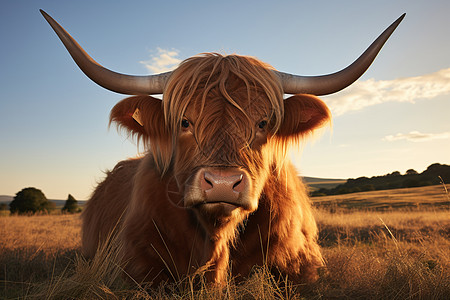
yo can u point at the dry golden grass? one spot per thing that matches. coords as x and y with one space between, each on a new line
49 233
437 220
391 254
33 249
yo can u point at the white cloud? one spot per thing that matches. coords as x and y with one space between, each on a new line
371 92
416 136
163 61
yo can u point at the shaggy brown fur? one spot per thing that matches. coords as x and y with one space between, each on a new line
219 114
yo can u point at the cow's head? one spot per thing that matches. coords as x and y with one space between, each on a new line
223 125
221 128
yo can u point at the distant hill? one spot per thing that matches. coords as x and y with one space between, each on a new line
317 183
59 203
433 175
418 198
6 199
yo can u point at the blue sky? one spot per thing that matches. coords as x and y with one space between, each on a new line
54 121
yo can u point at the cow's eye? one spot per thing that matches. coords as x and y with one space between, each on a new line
185 124
262 124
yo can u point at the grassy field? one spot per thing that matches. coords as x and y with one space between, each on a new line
420 198
394 246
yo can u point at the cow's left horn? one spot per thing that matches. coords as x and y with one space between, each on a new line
331 83
116 82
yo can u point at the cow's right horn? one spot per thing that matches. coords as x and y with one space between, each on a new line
116 82
332 83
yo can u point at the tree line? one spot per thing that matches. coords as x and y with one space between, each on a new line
434 174
32 200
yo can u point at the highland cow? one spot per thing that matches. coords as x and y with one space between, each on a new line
215 192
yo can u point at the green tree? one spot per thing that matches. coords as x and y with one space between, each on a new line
395 173
71 205
411 172
29 200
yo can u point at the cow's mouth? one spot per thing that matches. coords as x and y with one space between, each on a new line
217 208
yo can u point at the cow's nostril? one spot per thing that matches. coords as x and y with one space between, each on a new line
238 182
207 181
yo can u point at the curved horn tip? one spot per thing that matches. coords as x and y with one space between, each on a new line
396 22
43 13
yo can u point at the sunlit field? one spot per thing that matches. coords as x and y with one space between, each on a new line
380 250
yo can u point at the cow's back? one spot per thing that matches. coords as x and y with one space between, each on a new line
103 212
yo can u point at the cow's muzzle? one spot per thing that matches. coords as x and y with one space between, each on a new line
220 189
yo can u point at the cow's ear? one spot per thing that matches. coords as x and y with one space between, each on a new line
141 116
303 114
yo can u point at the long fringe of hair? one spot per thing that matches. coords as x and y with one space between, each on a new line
199 75
209 74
